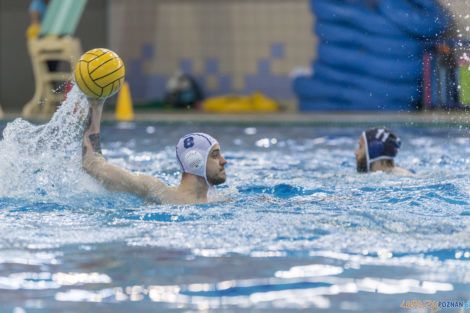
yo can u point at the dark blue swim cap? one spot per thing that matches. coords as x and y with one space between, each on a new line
381 144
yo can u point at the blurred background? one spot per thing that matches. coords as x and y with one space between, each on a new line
304 55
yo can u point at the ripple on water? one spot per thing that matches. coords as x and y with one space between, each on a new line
295 197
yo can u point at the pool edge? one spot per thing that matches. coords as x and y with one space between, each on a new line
454 118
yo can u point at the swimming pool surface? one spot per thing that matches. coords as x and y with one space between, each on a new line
302 231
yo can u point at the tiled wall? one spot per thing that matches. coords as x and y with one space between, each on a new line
231 46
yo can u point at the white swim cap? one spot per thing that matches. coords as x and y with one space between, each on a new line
192 151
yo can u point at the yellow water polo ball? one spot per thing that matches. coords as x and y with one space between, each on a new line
99 73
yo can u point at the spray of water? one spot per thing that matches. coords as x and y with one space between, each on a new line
44 161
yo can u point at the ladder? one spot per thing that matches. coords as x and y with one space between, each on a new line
55 43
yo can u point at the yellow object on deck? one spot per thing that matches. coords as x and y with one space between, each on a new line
124 108
33 30
1 112
231 104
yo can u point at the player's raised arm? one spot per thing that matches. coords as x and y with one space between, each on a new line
112 177
99 73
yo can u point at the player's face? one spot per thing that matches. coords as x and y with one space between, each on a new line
215 171
360 153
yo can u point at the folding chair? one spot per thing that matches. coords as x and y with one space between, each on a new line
54 43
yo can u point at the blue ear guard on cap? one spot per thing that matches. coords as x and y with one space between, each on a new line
381 144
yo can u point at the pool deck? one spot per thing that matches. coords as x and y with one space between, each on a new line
304 118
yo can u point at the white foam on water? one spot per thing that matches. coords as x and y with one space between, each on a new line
44 161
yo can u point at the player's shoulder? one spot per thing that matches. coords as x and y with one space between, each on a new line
158 192
152 182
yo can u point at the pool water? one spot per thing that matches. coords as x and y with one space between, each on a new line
294 229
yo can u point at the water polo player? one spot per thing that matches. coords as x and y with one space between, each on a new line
99 73
377 149
198 155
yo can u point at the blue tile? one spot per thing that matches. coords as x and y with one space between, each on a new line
211 66
277 50
136 80
146 88
135 68
225 85
283 88
186 66
276 87
156 87
137 88
148 51
251 84
264 67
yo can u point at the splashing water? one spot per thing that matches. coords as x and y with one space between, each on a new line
44 161
303 229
